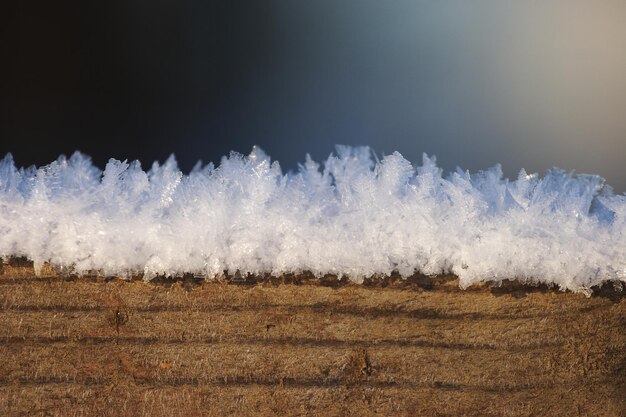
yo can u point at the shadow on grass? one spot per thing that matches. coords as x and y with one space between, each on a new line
614 291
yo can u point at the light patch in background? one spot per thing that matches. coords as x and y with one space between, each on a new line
561 84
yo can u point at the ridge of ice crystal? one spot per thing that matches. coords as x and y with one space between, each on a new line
351 215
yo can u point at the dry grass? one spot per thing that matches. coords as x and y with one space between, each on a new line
91 346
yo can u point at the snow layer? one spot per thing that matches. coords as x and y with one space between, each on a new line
352 216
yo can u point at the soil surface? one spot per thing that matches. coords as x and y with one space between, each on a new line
294 345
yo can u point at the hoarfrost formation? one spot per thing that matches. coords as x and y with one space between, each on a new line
351 216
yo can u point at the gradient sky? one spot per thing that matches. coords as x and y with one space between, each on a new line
531 84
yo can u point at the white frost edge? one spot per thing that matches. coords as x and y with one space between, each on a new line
351 216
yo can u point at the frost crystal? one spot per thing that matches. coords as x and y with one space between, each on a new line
352 216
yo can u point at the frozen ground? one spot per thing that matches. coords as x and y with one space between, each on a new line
351 215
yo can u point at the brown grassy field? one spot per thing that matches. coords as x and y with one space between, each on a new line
299 346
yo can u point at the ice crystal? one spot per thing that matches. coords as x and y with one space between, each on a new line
350 216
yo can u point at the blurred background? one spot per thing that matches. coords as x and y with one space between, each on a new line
531 84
